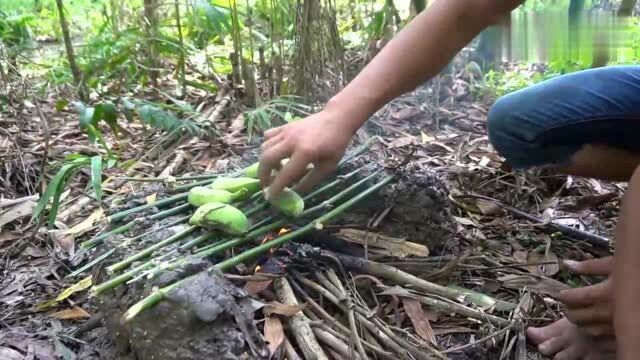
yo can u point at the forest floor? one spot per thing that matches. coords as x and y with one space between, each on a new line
513 255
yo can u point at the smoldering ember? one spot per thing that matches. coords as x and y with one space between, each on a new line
305 180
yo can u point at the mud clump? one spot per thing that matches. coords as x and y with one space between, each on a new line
418 203
206 317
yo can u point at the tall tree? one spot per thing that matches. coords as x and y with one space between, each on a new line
71 56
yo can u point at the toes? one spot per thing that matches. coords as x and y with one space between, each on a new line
554 345
539 335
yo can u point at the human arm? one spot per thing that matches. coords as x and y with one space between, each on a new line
416 54
626 267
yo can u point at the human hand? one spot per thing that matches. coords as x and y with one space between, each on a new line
590 307
320 139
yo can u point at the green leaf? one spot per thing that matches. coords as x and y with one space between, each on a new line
158 118
54 189
109 113
61 104
96 176
250 125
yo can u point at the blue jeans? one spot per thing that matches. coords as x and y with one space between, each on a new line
545 124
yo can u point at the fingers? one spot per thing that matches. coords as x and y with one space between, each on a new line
597 314
295 169
273 132
314 177
270 160
588 295
599 331
601 266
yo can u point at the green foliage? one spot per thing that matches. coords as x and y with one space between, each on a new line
275 112
15 32
208 22
56 186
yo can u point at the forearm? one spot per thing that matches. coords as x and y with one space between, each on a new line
626 271
417 53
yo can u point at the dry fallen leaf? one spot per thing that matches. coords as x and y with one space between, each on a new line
86 224
273 334
275 307
419 319
544 286
151 198
69 314
254 287
16 212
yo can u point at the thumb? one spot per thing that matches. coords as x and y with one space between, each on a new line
601 266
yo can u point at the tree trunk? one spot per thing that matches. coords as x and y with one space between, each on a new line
75 71
151 25
626 7
181 60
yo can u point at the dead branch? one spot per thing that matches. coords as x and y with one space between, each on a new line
593 239
403 278
304 335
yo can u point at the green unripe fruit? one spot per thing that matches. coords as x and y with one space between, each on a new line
217 215
289 203
201 195
252 171
248 185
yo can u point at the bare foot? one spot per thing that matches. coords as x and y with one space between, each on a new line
562 340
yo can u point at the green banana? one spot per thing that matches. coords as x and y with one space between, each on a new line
288 202
221 216
201 195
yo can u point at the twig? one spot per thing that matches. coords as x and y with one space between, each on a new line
490 336
404 278
350 313
303 333
593 239
376 349
335 343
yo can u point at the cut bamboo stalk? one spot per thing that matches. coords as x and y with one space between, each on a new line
125 243
214 249
400 277
98 239
148 251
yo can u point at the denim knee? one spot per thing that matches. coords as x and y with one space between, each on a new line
504 126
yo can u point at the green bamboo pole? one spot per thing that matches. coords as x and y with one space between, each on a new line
216 249
158 203
131 274
148 251
123 228
257 230
125 243
158 295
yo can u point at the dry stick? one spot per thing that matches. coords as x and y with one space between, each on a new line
160 294
321 312
126 242
463 347
304 335
593 239
462 310
375 349
401 277
407 345
335 343
361 318
355 338
364 312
